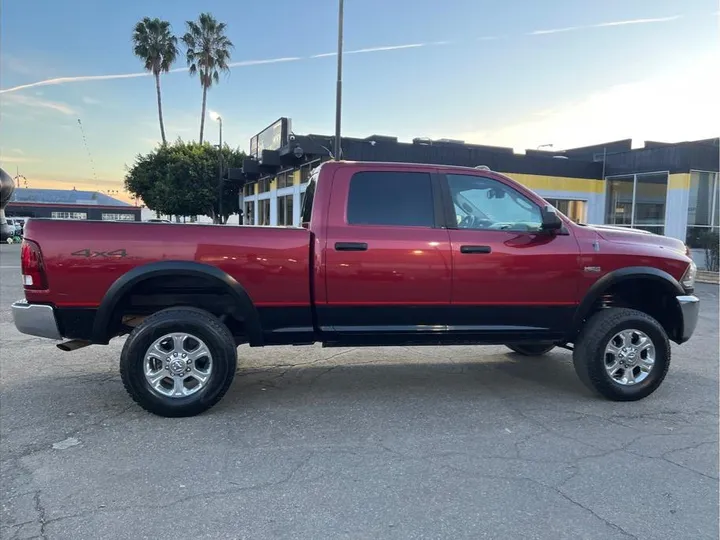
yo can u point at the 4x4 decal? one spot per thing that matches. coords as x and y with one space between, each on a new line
90 254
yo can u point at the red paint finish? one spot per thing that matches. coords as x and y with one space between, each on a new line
271 263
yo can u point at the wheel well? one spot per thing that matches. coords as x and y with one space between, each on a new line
649 296
160 292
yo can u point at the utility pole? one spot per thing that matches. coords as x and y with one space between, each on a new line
338 96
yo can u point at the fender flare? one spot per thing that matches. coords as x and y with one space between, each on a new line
671 285
245 307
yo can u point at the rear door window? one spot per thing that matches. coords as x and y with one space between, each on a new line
399 199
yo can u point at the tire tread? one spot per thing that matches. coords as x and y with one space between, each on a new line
591 340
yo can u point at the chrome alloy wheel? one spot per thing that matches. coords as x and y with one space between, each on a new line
177 365
629 357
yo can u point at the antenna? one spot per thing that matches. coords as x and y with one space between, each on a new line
87 148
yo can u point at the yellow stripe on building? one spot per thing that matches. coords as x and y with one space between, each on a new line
558 183
679 181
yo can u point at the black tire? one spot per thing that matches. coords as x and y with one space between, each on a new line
589 353
195 322
531 349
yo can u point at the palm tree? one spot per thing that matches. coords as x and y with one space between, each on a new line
155 45
208 53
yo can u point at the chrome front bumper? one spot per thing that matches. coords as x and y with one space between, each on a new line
35 320
690 308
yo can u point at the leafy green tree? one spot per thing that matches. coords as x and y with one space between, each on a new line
208 54
182 180
156 46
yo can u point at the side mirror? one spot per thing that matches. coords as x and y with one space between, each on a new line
550 220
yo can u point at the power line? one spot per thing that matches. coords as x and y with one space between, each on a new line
87 148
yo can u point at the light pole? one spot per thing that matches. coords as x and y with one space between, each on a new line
215 116
338 94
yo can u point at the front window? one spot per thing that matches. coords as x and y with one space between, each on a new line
487 204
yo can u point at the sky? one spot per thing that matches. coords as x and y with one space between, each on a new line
76 108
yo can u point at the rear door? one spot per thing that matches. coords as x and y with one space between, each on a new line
387 254
509 277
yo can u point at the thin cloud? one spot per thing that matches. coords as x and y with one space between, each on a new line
17 151
16 159
90 101
555 30
35 103
604 25
269 61
637 21
63 80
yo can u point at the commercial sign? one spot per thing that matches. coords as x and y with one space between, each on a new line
273 137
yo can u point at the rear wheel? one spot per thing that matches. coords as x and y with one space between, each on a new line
622 354
531 349
178 362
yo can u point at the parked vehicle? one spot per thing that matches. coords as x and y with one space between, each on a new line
388 254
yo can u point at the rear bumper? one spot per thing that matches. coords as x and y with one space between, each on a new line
36 320
690 308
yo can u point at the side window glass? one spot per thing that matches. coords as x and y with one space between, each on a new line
401 199
486 204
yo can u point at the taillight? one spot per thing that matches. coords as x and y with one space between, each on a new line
33 268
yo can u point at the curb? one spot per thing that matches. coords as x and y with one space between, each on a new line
712 278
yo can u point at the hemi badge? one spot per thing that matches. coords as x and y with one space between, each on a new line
594 269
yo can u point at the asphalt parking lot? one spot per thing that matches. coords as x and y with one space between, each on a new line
457 442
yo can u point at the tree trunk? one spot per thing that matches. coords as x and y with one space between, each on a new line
202 116
160 116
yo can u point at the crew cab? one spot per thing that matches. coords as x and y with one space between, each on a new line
387 254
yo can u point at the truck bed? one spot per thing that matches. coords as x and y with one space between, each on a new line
85 260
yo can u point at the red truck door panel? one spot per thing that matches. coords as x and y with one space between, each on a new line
507 276
386 255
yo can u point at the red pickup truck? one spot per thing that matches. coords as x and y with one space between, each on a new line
388 254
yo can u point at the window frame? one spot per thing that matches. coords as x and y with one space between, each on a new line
633 204
449 205
438 219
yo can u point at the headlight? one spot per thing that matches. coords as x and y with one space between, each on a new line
688 279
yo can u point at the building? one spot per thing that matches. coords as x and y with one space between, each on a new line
69 204
666 188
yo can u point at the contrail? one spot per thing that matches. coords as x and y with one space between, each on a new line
554 30
603 25
63 80
637 21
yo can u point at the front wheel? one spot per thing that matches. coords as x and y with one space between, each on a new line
178 362
622 354
531 349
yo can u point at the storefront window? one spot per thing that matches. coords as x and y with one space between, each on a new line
703 221
637 201
575 210
264 185
285 179
264 212
69 215
248 217
285 210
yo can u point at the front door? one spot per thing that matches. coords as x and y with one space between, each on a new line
387 256
510 278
